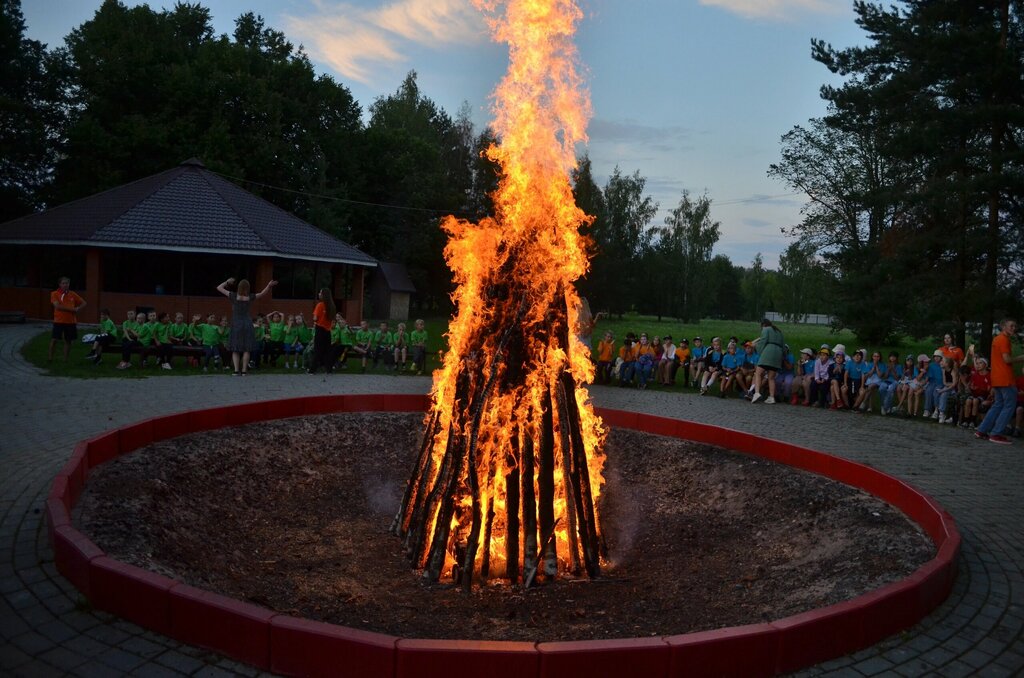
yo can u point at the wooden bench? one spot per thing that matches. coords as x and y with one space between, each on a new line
176 351
12 316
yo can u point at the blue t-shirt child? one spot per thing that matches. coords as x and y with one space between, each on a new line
856 370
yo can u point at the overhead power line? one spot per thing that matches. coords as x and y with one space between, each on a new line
344 200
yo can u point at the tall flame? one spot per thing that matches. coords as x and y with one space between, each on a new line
514 362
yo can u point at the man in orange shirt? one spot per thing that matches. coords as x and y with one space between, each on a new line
1002 386
66 305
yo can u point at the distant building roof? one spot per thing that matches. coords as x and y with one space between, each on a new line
186 209
396 276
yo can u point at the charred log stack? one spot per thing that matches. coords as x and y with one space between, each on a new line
502 488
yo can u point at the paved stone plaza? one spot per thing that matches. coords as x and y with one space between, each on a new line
46 628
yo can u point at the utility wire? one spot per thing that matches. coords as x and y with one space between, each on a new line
757 198
735 201
337 199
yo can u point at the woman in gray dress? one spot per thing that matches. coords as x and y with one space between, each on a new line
241 340
769 345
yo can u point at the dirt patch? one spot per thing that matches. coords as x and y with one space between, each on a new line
293 515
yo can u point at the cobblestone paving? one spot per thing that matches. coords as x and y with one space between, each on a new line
47 629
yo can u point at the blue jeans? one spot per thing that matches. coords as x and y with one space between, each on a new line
886 391
929 396
944 400
1002 409
644 370
626 372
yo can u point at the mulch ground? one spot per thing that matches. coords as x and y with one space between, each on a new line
293 515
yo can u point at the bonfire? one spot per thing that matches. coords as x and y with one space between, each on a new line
506 483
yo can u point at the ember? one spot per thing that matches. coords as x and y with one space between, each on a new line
511 465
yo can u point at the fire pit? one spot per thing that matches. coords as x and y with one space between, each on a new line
286 644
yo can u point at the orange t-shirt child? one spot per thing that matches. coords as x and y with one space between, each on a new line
605 350
1002 372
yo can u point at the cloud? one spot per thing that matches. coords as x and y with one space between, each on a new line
630 130
777 9
353 39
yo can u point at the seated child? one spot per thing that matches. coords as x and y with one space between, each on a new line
130 338
418 337
401 340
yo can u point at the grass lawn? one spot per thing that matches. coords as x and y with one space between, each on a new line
797 336
78 367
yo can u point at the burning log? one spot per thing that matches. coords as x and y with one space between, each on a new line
506 483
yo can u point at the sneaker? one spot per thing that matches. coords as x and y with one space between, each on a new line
927 413
754 398
769 400
144 363
166 366
935 414
793 400
980 436
206 369
942 419
884 412
1002 440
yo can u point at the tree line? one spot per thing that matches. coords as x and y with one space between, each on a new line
133 91
914 176
914 180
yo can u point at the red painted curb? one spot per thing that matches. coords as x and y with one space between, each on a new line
616 657
751 650
72 552
438 658
302 647
216 622
138 595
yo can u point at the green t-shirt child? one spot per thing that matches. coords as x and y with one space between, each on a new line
418 337
107 326
178 332
276 331
210 334
146 333
161 332
129 330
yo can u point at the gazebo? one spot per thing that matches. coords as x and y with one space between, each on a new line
164 242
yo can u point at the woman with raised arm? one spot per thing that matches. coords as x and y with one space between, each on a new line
242 339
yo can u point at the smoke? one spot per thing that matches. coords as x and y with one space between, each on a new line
382 494
621 514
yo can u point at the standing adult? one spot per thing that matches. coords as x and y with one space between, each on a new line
769 346
1003 388
241 338
323 315
66 305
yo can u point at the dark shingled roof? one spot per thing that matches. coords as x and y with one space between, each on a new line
187 208
396 276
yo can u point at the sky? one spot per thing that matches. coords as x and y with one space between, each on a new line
693 94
